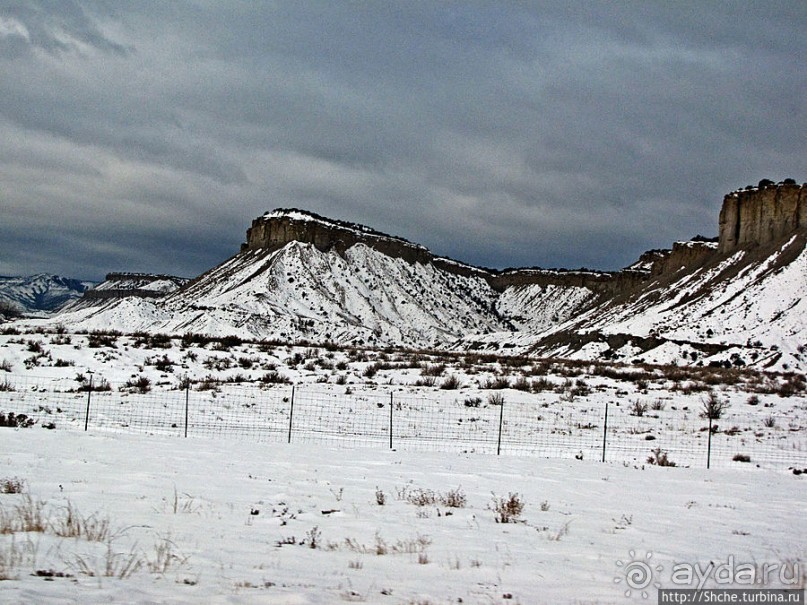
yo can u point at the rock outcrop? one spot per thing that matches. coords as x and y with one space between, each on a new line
760 215
275 229
682 256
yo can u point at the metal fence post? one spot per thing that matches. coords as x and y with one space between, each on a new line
604 431
291 411
187 395
87 414
501 422
709 446
390 420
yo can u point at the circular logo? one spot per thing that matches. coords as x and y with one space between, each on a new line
637 574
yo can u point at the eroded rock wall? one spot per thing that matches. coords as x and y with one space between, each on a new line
272 232
761 215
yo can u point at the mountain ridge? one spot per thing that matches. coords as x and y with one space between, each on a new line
300 276
38 293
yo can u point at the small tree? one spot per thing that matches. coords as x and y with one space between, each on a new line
712 407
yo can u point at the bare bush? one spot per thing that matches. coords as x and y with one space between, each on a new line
433 370
421 497
141 384
637 408
12 485
454 498
659 457
472 402
27 516
541 384
113 564
16 421
275 378
496 383
451 383
71 524
103 339
313 538
495 399
509 509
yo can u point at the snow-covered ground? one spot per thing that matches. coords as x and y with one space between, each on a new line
222 521
266 391
131 511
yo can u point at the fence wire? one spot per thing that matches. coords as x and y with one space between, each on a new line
519 424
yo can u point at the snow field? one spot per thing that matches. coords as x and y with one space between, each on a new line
222 521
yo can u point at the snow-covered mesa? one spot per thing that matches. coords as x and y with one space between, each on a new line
743 309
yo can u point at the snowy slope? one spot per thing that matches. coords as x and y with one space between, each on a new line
141 281
537 309
762 302
749 306
302 292
41 292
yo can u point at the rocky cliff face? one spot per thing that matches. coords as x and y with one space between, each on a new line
275 229
682 256
604 283
761 215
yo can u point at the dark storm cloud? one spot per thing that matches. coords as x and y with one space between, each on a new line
146 136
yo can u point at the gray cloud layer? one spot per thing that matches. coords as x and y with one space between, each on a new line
146 136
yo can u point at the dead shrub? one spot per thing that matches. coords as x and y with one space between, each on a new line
659 457
509 509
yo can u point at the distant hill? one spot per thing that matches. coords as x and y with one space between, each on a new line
41 293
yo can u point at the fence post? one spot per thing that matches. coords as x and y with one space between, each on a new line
390 421
291 411
604 431
501 421
187 395
709 446
87 414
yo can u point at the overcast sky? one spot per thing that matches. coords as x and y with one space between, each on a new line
145 136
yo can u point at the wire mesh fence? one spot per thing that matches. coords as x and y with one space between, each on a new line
520 423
